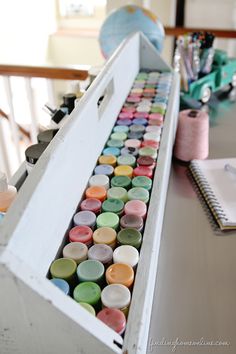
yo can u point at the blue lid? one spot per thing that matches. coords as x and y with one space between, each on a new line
61 284
140 121
107 170
124 122
121 129
111 151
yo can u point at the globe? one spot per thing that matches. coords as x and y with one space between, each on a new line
126 20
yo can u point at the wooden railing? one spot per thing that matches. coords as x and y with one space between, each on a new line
177 31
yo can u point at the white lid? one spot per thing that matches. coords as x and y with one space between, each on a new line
152 136
116 296
126 254
3 182
100 180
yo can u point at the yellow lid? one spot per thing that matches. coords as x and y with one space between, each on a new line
104 235
124 170
120 273
107 160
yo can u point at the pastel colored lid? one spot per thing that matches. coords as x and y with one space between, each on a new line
143 171
130 237
105 235
118 193
133 99
88 307
104 170
116 296
135 135
113 318
140 121
2 216
126 254
88 292
123 170
152 136
143 182
146 161
126 122
77 251
125 115
108 219
154 128
99 180
107 160
120 273
113 205
133 221
129 150
136 207
85 217
81 233
138 193
142 113
91 204
102 253
148 151
115 143
137 128
128 160
111 150
150 143
63 268
61 284
128 109
119 136
90 270
121 128
121 181
98 192
156 116
135 143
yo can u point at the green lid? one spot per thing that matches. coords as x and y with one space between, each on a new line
115 143
113 205
88 292
119 136
121 129
90 270
88 307
138 193
128 160
121 181
148 151
143 182
130 236
158 110
118 193
63 268
108 219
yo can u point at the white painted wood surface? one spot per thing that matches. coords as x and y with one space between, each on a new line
35 316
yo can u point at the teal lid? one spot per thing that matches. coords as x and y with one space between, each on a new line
108 219
128 160
148 151
142 181
90 270
138 193
130 236
119 136
115 143
88 292
111 151
117 193
121 181
113 205
121 129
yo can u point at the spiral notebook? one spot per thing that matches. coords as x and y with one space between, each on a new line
216 180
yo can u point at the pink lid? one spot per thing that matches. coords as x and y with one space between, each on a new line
143 171
135 207
157 116
133 99
91 204
151 143
128 109
125 115
141 115
113 318
133 143
81 234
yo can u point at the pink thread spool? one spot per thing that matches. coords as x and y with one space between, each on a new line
192 137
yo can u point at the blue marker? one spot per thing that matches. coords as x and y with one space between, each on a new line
61 284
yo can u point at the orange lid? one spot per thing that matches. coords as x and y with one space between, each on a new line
98 192
124 170
104 235
120 273
107 160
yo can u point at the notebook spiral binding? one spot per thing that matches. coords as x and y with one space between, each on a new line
207 193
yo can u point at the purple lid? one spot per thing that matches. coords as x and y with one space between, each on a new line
85 218
101 252
124 122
